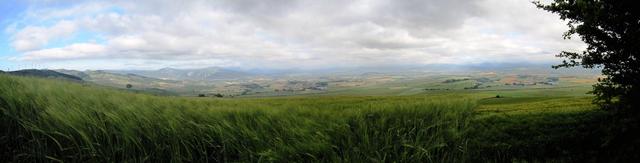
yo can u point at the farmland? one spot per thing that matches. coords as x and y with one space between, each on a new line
56 120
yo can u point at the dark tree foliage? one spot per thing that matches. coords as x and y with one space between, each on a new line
611 29
129 85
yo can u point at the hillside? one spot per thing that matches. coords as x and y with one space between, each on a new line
117 80
45 74
416 80
201 74
138 83
55 120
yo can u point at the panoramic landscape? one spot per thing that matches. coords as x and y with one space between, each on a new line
320 81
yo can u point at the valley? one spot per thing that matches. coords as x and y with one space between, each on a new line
320 81
417 81
378 118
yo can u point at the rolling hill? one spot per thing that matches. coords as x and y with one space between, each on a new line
46 120
140 83
45 74
202 74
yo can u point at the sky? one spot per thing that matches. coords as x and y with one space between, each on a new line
275 34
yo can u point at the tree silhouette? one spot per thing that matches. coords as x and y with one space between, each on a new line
129 86
611 29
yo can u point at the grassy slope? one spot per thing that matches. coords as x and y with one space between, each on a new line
532 125
55 120
47 119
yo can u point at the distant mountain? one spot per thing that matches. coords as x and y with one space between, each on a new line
114 79
98 74
203 74
139 83
45 74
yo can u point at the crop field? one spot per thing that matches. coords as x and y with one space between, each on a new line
59 121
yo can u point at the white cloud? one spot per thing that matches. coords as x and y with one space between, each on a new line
35 37
306 34
39 10
73 51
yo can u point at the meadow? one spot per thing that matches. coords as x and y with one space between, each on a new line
60 121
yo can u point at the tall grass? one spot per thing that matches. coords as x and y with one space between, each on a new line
50 120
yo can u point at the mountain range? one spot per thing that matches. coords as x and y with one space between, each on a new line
202 74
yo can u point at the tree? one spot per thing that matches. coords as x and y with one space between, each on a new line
129 86
611 30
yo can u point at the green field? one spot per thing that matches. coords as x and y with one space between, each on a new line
55 120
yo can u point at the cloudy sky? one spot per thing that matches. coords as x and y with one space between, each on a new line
305 34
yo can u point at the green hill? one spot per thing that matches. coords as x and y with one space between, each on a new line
139 83
44 120
202 74
45 74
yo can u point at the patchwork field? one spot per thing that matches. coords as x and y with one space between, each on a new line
53 120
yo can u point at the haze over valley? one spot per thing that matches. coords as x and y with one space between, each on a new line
319 81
